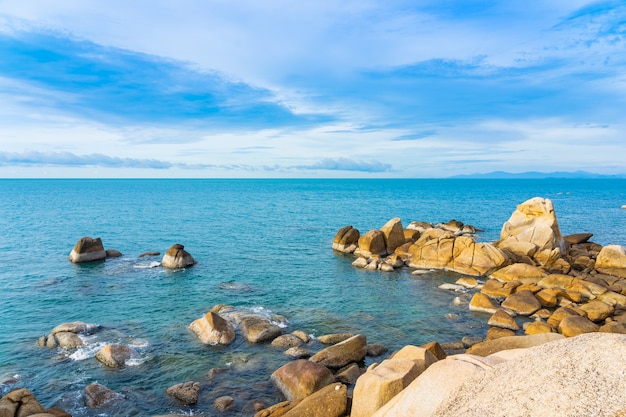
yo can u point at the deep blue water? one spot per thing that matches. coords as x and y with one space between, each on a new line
259 244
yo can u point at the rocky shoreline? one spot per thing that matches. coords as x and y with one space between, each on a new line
542 294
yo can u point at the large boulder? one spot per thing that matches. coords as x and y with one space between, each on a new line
512 342
523 303
88 250
380 384
612 260
257 329
421 356
394 234
114 355
330 401
569 377
301 378
575 325
212 329
373 243
353 349
187 392
67 335
522 272
20 403
346 239
534 222
482 303
96 395
177 257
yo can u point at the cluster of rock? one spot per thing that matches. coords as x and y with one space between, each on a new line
21 402
88 249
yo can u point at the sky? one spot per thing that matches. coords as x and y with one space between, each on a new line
324 89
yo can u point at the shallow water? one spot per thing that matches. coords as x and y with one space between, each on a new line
259 244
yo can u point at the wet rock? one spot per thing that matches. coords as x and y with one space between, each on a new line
187 392
66 335
145 254
346 239
301 378
212 329
376 349
298 352
577 238
114 355
20 402
223 403
258 329
87 250
113 253
97 395
348 374
286 341
336 356
177 257
334 338
301 335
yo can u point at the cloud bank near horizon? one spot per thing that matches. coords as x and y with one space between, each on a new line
373 88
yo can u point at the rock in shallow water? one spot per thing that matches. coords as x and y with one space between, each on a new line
177 257
88 250
187 392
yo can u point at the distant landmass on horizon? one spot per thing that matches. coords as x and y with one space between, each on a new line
540 175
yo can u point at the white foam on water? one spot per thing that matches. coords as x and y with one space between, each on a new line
86 352
153 264
139 343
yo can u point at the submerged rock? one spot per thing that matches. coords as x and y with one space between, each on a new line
177 257
97 395
187 392
88 250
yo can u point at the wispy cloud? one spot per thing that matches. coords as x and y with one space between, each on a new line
347 164
415 136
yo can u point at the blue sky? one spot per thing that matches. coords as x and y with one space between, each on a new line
368 88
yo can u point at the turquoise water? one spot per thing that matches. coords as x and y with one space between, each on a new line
259 244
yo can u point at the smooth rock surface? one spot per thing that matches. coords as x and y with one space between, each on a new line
88 249
177 257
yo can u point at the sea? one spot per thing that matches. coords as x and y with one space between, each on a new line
262 245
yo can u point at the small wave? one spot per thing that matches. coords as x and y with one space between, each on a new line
149 265
235 286
86 352
139 343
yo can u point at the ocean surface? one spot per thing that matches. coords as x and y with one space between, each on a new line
263 245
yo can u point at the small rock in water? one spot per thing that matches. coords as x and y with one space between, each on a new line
469 341
224 403
376 349
143 255
298 352
187 392
97 395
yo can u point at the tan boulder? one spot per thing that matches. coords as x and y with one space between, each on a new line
348 374
300 378
334 338
432 250
612 298
612 260
436 349
353 349
114 355
577 238
346 239
538 327
177 257
523 303
467 282
286 341
421 356
574 325
503 320
256 329
517 247
482 303
498 332
187 392
394 234
548 297
20 402
330 401
534 221
613 327
373 242
597 310
589 290
560 313
499 289
489 347
87 250
519 272
478 258
377 386
67 335
212 329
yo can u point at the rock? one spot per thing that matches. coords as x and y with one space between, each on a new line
477 258
411 235
534 221
588 289
97 395
377 386
87 250
597 310
467 282
498 289
286 341
277 410
393 233
469 341
503 320
346 239
519 272
212 329
75 327
177 257
515 342
20 402
145 254
570 377
258 329
114 355
360 262
538 327
351 350
298 352
301 335
223 403
577 238
348 374
373 242
498 332
559 314
334 338
422 397
66 335
376 349
301 378
187 392
575 325
330 401
436 349
613 327
422 357
113 253
548 297
523 303
612 261
482 303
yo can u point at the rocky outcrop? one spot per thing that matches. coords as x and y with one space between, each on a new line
394 234
20 403
301 378
533 231
353 349
114 355
612 261
187 392
87 250
67 335
212 329
346 239
372 243
177 257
